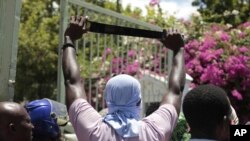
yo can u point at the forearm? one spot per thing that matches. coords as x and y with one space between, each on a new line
177 74
176 80
70 67
71 72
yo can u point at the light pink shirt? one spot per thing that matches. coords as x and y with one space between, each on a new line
89 125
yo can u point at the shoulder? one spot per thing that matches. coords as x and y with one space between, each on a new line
161 122
165 110
81 111
78 103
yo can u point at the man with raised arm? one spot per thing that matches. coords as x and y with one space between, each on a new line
123 97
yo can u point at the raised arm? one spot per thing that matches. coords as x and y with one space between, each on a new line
174 41
73 83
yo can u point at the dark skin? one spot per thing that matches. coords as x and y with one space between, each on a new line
174 41
73 83
220 132
15 123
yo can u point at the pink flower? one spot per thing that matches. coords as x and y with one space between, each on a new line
245 25
236 66
194 67
132 53
210 55
209 42
117 64
236 94
117 60
156 61
108 51
132 68
154 2
223 60
224 36
242 34
243 49
216 27
213 74
191 48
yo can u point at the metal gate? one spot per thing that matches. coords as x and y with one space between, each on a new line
9 27
102 56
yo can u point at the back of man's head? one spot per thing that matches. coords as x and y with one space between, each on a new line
205 107
123 98
123 90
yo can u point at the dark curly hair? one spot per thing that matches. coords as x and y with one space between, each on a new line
205 107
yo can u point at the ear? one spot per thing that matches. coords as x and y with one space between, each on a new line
188 128
12 127
234 120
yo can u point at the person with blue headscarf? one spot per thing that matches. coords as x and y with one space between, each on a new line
122 95
123 98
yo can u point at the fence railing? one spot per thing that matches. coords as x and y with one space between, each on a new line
9 27
102 56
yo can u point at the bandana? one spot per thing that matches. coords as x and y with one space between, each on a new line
123 98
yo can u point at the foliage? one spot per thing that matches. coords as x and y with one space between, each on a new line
135 13
181 130
221 57
157 17
227 11
36 75
215 53
37 54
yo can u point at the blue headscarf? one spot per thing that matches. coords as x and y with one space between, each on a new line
123 97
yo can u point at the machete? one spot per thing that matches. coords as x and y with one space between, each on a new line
121 30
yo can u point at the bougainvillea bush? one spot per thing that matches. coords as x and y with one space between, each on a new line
221 56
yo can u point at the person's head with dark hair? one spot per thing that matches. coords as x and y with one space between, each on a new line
15 123
207 111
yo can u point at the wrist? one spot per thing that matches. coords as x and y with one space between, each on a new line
68 40
177 50
68 43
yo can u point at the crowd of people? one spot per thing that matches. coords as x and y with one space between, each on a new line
207 108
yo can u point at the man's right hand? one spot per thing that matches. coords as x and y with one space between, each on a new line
173 39
76 28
